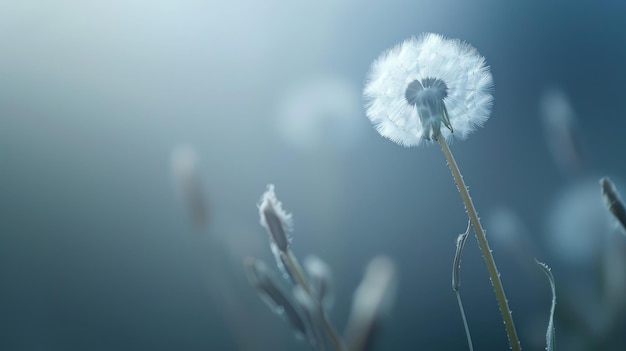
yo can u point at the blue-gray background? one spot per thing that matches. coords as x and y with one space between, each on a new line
97 251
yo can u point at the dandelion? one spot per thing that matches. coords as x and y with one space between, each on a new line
426 81
418 86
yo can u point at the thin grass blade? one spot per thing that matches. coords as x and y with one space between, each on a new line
550 333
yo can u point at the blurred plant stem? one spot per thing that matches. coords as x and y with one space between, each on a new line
294 266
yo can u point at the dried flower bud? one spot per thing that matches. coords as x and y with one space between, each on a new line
613 201
274 219
261 279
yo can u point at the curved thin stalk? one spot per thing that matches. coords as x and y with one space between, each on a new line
301 280
484 247
456 280
467 332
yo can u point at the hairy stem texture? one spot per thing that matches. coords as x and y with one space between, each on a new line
484 247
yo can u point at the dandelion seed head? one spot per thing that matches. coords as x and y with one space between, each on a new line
579 226
324 111
425 81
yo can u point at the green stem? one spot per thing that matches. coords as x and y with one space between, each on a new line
484 247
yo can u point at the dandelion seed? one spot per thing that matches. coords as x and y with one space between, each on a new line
424 82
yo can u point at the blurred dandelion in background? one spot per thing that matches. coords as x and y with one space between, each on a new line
578 224
506 227
508 231
323 112
320 122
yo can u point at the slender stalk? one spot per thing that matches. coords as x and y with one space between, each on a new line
301 280
484 247
296 270
456 280
467 332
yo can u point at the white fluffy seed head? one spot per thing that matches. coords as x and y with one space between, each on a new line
458 64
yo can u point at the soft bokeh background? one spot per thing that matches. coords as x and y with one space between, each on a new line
97 250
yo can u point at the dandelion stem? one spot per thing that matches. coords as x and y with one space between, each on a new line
301 280
467 332
484 247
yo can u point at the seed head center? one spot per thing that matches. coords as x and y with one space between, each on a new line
427 96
